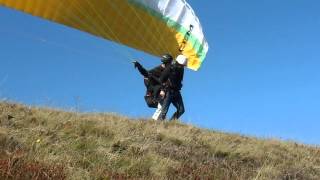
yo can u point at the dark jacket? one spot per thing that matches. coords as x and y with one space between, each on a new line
172 77
153 86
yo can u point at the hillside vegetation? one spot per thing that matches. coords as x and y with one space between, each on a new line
42 143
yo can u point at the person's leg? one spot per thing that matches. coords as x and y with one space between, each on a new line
178 104
165 105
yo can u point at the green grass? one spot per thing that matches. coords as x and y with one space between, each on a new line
43 143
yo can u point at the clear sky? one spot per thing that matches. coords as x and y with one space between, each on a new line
260 78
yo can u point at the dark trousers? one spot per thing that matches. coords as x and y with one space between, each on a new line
175 98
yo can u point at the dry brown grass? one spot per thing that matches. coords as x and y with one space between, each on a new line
42 143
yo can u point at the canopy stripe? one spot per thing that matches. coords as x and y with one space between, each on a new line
153 26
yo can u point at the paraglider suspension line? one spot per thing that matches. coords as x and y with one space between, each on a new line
186 38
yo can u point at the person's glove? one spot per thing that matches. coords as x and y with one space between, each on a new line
136 64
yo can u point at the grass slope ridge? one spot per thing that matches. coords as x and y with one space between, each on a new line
42 143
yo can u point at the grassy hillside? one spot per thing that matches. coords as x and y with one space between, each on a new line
41 143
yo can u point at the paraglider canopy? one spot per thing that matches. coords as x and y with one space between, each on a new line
153 26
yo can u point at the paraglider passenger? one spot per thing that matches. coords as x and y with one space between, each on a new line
153 86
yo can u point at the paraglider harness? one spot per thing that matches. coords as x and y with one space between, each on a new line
153 89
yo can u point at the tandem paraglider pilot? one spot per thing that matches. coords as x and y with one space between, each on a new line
172 78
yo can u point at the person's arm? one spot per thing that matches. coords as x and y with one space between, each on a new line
156 71
141 69
162 77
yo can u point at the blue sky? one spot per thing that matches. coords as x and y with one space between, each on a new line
260 78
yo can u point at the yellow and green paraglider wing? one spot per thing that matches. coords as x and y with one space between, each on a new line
153 26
